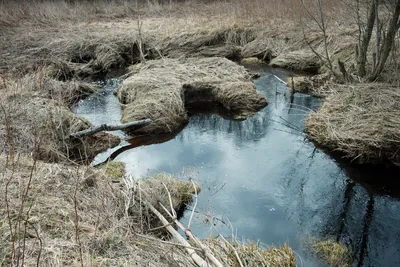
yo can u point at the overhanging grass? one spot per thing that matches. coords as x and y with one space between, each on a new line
360 121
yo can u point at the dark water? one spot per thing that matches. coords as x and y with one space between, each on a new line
265 179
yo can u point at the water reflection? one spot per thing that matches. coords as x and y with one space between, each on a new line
276 186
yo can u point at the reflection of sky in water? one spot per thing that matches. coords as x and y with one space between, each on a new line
276 187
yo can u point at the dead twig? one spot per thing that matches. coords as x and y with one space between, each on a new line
77 239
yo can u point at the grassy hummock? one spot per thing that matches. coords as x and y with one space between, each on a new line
160 90
331 253
361 121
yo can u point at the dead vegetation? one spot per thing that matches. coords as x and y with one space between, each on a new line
97 37
75 215
36 108
252 254
160 89
104 222
298 61
329 252
360 121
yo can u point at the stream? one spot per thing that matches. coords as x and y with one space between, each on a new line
262 179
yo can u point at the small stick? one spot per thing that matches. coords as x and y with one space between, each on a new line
218 189
279 79
195 204
170 201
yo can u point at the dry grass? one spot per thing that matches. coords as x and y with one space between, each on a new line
106 231
331 253
160 89
36 108
252 254
301 60
97 36
361 121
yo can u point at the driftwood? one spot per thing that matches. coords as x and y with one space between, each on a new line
105 127
182 241
191 251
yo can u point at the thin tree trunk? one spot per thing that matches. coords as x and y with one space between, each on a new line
362 55
388 41
321 13
378 33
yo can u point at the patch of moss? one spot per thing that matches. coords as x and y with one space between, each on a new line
115 170
251 60
323 69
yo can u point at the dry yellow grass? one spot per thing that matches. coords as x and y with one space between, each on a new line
360 121
96 36
107 223
55 39
235 253
35 109
161 89
332 253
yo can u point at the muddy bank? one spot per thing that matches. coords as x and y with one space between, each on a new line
162 89
360 121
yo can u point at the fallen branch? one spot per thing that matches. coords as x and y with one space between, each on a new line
105 127
206 251
192 252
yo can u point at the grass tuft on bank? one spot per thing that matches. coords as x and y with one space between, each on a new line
162 89
361 122
237 253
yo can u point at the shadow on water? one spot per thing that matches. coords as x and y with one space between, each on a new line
262 176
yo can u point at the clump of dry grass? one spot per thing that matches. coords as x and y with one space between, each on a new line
68 93
360 121
300 60
210 41
331 253
235 253
309 84
107 234
36 108
181 192
160 89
